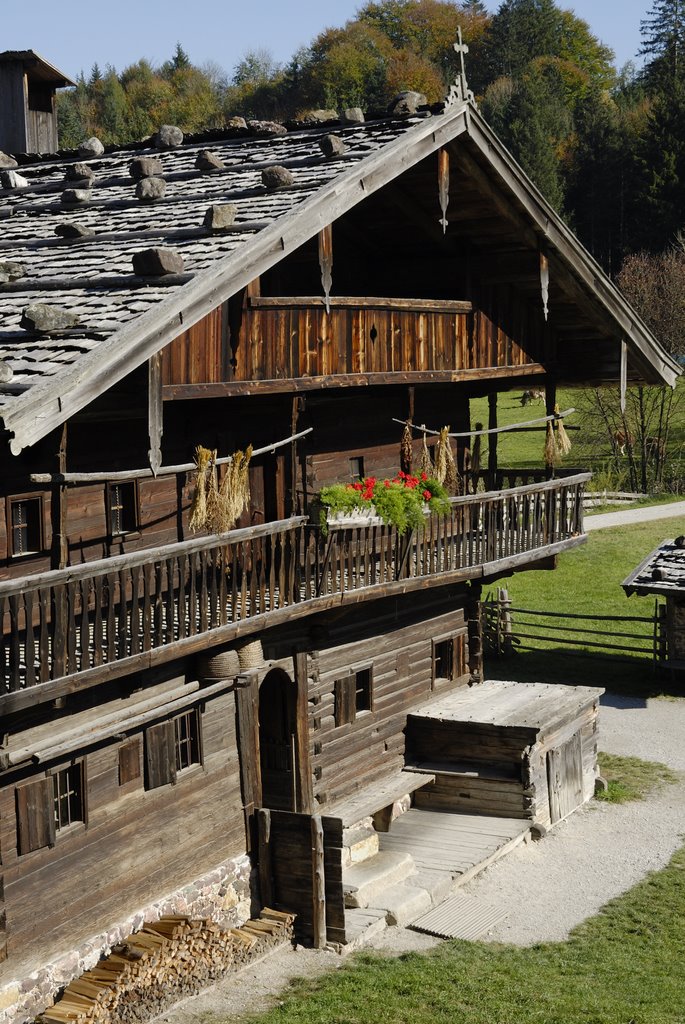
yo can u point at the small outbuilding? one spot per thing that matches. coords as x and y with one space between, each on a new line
662 574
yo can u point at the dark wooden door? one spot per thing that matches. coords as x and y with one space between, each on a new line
278 741
565 778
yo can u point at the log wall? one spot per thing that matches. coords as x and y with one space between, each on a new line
136 846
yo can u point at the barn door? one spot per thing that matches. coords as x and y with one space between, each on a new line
565 778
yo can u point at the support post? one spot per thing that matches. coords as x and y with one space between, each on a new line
266 892
492 440
155 411
60 540
475 633
304 787
318 883
550 404
504 622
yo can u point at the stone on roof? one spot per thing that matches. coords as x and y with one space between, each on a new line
168 137
91 147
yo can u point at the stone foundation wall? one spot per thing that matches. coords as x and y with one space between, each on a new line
223 895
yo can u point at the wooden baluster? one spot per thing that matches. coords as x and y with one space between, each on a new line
272 548
193 572
5 674
159 605
203 592
214 561
122 615
181 604
235 568
71 628
15 643
135 609
254 569
44 638
98 638
30 645
84 630
147 607
111 617
293 578
170 601
262 574
244 612
308 550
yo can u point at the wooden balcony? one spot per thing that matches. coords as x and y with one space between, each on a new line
69 629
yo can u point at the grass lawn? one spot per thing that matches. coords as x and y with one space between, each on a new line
624 965
588 580
631 778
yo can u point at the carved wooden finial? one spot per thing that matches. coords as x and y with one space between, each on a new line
459 92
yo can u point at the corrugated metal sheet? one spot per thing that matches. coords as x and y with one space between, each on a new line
460 917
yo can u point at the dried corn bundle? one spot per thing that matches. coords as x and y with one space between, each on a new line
426 464
563 440
406 448
198 508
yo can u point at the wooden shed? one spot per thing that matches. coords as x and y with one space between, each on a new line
28 111
662 575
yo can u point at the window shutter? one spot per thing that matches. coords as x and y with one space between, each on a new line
160 755
129 762
36 815
345 697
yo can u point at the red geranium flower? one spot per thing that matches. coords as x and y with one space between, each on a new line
427 495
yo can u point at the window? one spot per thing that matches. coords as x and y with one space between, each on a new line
25 526
122 505
353 695
170 748
449 658
68 796
357 468
49 805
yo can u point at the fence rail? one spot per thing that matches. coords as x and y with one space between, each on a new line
65 622
507 628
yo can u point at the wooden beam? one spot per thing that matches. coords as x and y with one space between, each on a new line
363 302
223 389
155 416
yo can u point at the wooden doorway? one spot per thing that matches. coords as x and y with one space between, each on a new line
278 741
565 778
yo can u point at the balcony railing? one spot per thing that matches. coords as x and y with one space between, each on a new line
129 611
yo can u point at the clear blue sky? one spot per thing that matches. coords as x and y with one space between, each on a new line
118 33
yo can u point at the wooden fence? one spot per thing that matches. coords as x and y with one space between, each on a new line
507 628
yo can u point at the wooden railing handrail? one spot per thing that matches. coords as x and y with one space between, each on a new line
144 556
510 492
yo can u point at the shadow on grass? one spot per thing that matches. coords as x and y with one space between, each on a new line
633 679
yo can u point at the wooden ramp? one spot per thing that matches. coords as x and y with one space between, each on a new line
459 844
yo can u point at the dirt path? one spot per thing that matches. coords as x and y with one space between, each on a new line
600 852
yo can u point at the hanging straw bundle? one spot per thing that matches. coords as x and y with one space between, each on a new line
198 508
551 455
426 464
445 466
563 440
406 448
234 496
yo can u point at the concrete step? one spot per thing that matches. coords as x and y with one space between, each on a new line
359 844
362 925
403 903
364 882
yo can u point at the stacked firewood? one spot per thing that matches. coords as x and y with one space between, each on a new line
166 961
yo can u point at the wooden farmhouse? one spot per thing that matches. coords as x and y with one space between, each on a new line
196 722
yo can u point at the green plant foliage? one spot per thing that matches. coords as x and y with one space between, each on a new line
630 778
401 502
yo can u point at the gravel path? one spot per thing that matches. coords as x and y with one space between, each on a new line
634 515
547 887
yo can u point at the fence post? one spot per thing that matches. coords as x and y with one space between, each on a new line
504 645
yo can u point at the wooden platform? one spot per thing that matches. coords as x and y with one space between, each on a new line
534 707
461 844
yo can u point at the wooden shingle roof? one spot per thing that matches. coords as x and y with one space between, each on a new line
124 319
661 572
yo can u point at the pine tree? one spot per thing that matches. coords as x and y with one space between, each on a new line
663 33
